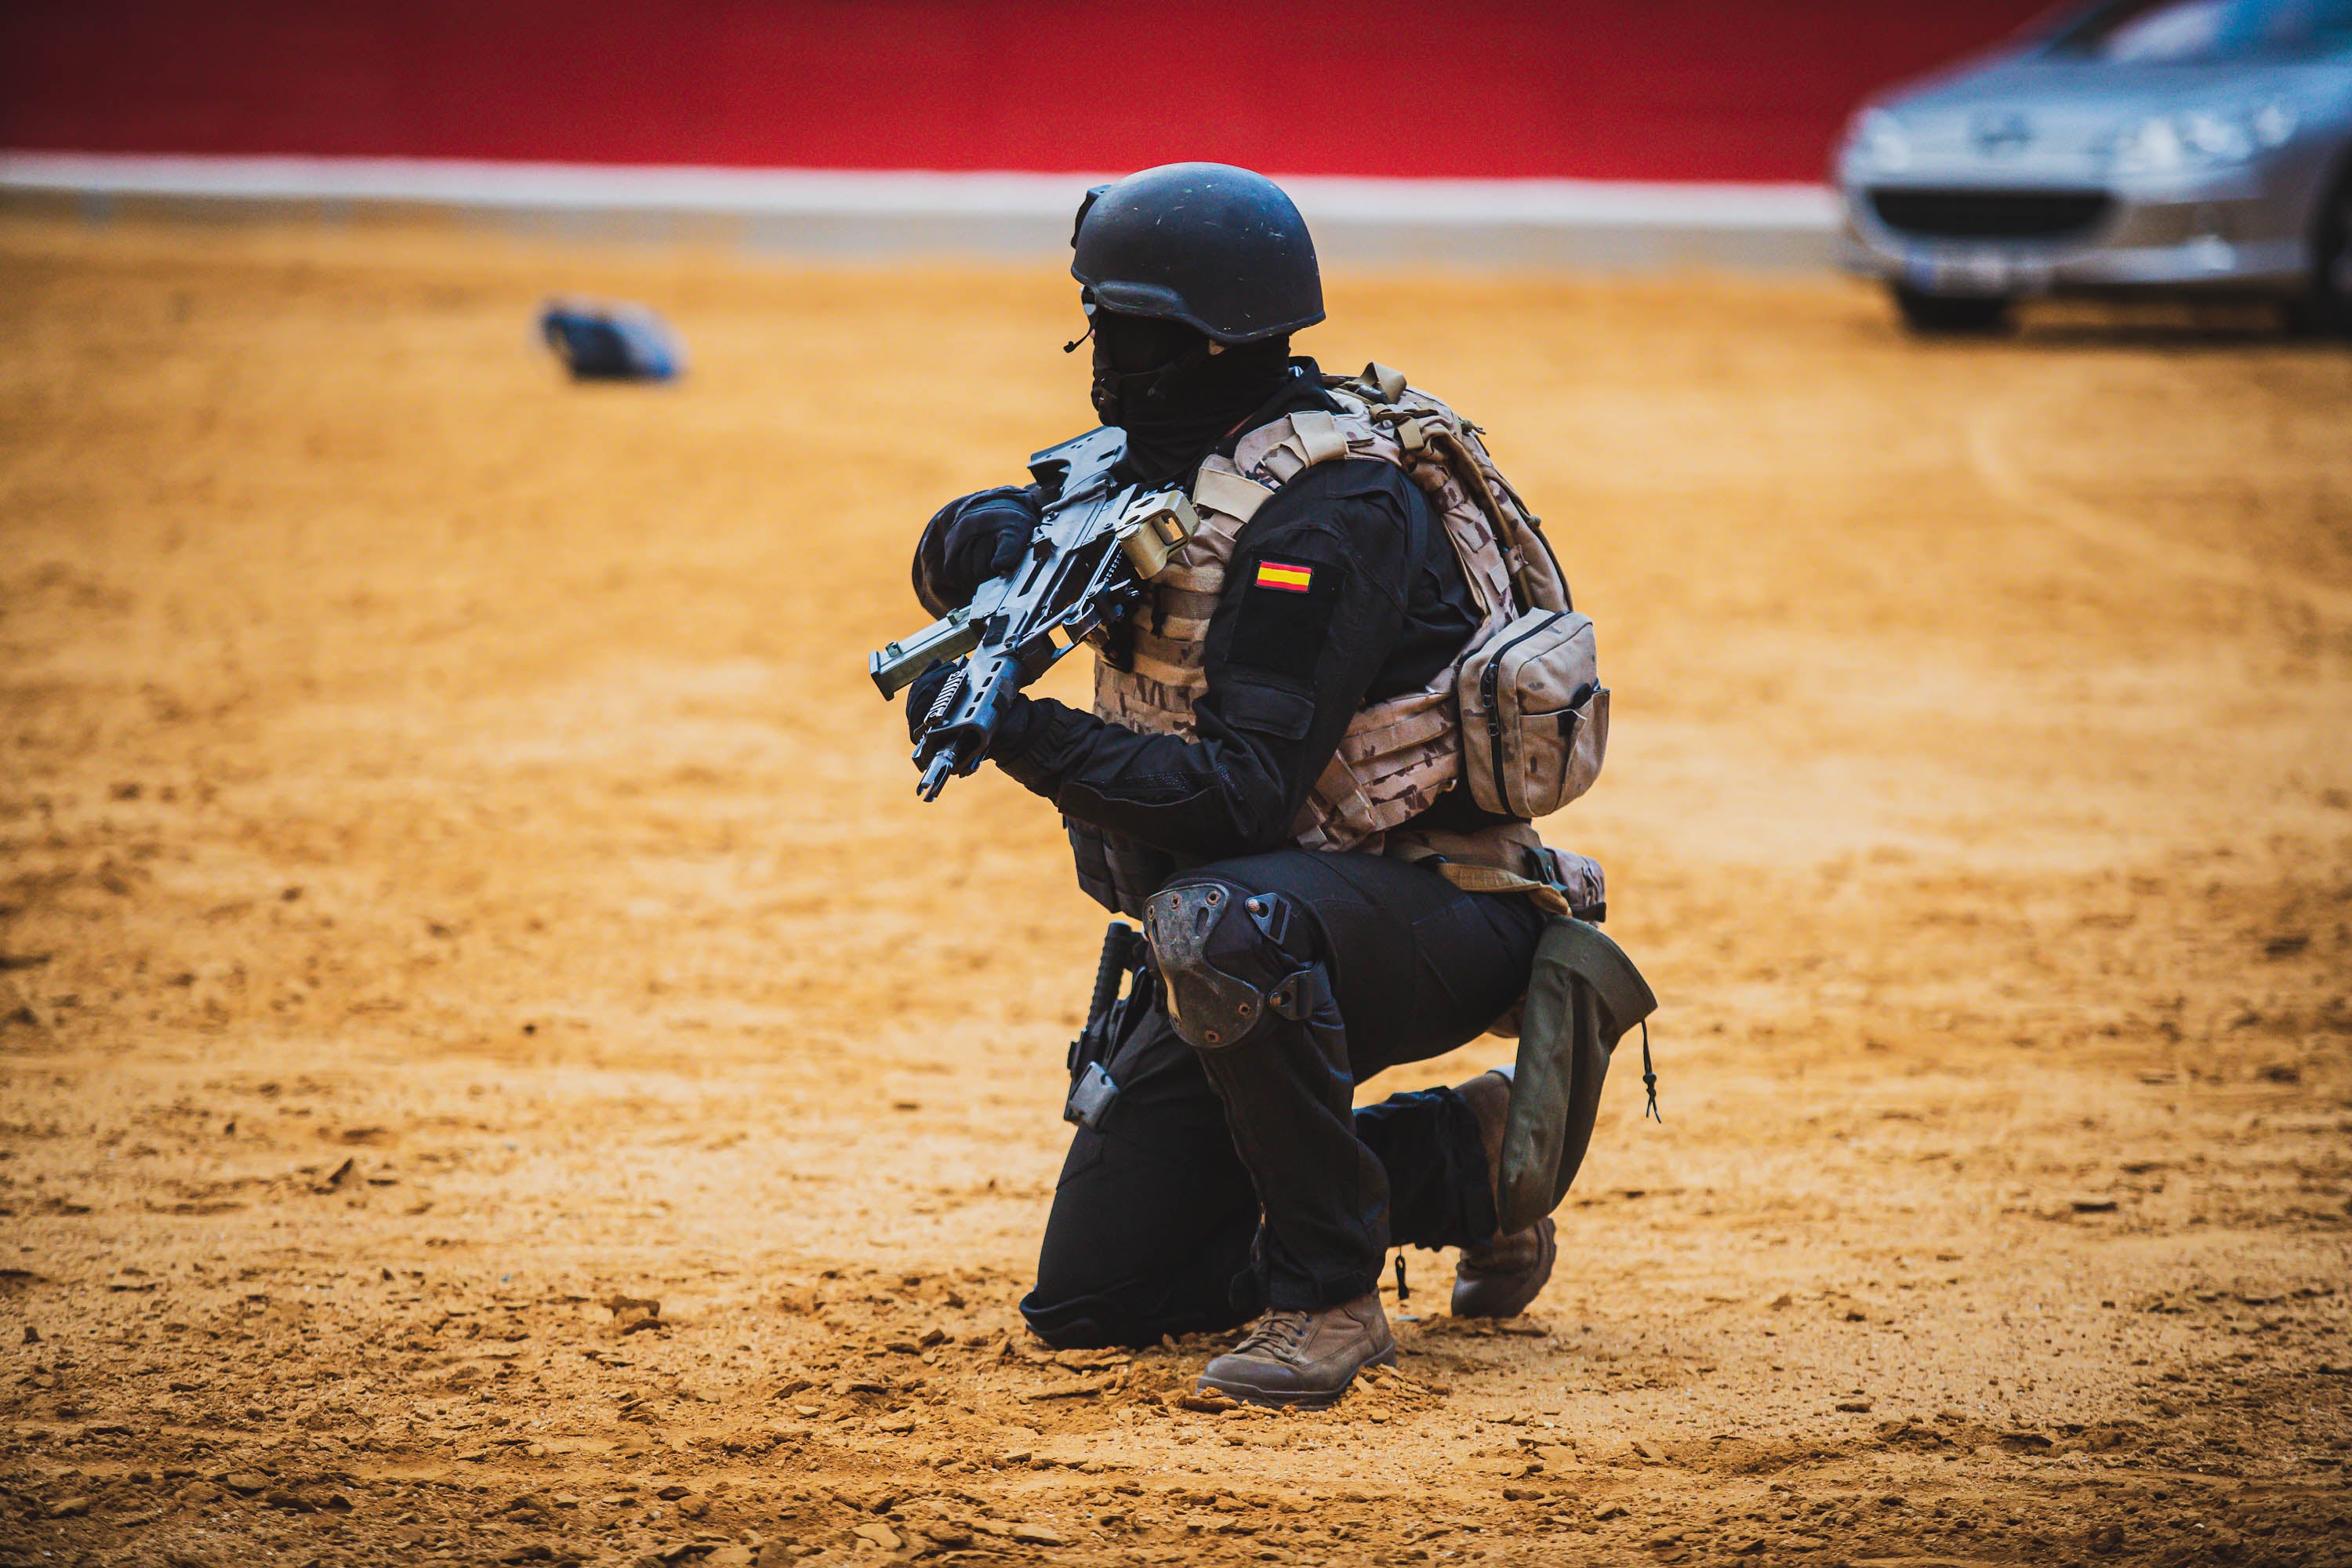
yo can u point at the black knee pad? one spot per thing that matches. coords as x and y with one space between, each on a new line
1226 957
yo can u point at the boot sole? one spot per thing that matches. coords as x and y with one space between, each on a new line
1293 1399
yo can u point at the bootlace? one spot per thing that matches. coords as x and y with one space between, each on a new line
1278 1334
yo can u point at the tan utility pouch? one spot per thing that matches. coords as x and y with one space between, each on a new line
1535 717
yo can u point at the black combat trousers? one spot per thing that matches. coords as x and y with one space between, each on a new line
1230 1180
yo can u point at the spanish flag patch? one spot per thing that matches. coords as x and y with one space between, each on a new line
1281 574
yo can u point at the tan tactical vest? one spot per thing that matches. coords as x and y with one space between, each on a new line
1399 756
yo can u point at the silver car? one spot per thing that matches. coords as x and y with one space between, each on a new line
2138 144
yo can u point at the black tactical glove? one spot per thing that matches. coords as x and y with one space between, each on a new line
972 539
1010 730
923 693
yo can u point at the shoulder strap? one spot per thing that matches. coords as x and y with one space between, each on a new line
1233 494
1284 449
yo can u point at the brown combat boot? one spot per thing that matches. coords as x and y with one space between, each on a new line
1306 1359
1499 1278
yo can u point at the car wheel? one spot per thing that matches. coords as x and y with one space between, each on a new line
1951 315
2327 308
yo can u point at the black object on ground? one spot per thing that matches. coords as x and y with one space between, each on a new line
604 342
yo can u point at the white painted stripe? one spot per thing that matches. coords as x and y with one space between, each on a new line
1568 202
1795 209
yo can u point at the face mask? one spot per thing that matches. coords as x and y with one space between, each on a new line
1138 366
1174 391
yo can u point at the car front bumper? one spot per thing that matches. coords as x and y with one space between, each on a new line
2223 238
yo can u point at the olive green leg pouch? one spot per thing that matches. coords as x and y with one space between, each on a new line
1583 997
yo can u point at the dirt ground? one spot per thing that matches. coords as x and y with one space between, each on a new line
457 888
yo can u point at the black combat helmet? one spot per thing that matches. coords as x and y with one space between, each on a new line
1216 247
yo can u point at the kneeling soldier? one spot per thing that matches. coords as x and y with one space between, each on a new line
1276 780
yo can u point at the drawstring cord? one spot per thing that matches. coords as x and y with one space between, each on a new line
1650 1078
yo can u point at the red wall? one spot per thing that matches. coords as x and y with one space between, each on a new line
1611 88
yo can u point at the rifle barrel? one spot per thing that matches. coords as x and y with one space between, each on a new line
935 777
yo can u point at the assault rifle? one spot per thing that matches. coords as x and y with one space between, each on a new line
1096 546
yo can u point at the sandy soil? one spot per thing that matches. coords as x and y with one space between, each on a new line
456 887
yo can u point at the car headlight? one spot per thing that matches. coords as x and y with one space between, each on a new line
2272 124
2202 139
1878 139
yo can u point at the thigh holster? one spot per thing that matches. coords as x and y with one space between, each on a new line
1222 955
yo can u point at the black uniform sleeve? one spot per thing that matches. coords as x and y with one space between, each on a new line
1313 607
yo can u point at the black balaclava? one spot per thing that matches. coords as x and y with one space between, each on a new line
1158 380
